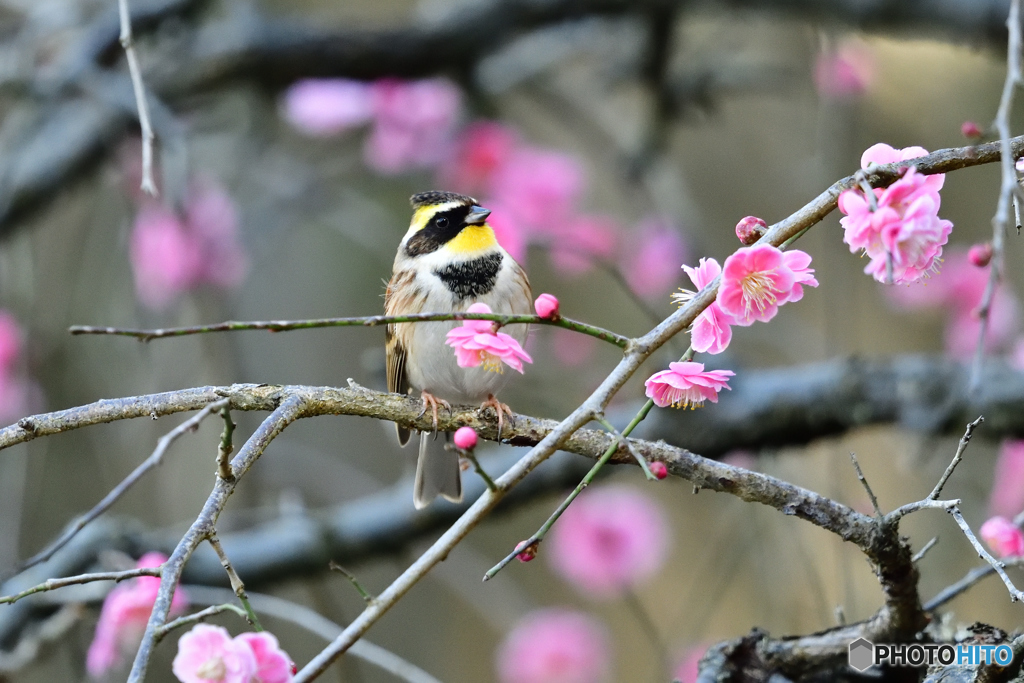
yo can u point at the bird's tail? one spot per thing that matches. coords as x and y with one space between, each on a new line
437 474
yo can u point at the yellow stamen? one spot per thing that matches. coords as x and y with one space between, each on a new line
491 363
757 290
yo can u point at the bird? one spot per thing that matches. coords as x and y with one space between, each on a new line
448 260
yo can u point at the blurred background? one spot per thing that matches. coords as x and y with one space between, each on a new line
614 142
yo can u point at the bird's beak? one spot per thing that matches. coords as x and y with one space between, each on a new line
477 215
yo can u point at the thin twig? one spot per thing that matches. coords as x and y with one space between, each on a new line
361 321
363 593
968 581
128 43
1008 187
471 457
926 504
867 487
226 448
957 457
236 582
996 565
53 584
919 555
149 463
621 438
190 619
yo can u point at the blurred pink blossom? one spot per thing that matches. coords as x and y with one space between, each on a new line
555 646
980 254
757 280
652 267
171 254
957 290
208 653
1007 496
579 242
686 385
476 343
542 187
481 148
507 230
609 540
1003 537
273 665
711 332
844 72
970 129
1016 358
17 393
124 615
1019 165
571 348
689 664
327 106
414 122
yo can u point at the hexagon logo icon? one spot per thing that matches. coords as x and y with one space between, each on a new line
862 654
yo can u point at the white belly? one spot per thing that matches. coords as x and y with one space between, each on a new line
430 363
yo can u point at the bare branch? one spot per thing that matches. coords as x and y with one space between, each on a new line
957 457
53 584
128 43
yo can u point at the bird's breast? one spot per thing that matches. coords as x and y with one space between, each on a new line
473 278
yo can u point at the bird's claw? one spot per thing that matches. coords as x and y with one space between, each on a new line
432 402
500 409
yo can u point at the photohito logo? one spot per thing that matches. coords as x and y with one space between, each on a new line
863 654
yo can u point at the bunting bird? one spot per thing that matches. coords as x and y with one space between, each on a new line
448 260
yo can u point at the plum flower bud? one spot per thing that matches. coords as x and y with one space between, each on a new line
546 306
980 254
465 438
658 469
526 551
969 129
750 229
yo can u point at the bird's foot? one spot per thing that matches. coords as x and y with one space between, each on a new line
500 409
432 402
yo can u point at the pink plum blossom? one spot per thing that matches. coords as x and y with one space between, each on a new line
580 242
476 343
481 149
414 122
844 72
712 330
327 106
546 306
652 267
901 224
124 616
465 438
609 540
686 385
273 665
1003 537
208 653
1007 496
172 254
757 280
543 187
555 645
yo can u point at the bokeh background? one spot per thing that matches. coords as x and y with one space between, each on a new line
744 112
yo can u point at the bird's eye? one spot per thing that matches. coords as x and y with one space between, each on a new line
441 222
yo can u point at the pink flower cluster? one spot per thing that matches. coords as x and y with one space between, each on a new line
555 646
755 282
1003 536
686 385
124 615
957 291
476 343
898 225
412 121
172 253
208 653
609 540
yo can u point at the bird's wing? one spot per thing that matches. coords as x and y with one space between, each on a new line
400 298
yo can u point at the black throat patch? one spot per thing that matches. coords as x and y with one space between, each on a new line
471 278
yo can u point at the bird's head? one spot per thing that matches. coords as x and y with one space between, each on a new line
447 220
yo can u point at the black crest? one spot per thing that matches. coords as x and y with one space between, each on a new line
435 197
